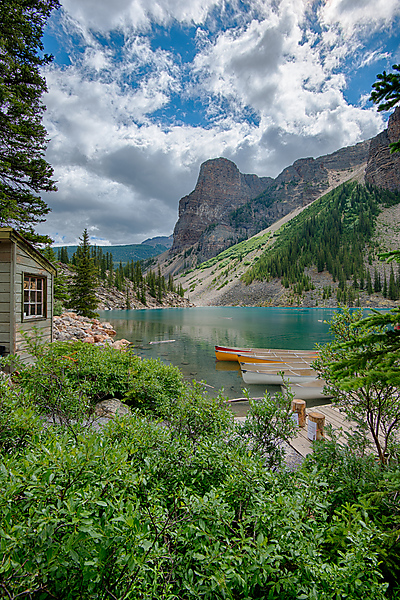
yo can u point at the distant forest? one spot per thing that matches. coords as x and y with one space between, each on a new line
115 275
333 234
122 254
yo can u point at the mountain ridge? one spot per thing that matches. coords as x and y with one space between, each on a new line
292 191
221 210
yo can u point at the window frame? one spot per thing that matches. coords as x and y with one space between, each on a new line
30 290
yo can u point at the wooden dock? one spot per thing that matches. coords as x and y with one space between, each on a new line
333 417
303 446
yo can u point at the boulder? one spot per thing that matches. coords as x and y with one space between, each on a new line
120 344
110 408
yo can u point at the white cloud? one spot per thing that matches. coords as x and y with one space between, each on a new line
270 88
350 16
140 14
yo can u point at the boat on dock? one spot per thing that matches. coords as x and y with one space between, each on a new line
253 374
262 355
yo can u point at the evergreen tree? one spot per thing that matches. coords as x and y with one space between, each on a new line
110 279
64 256
392 291
377 281
385 287
24 173
159 289
83 297
143 293
386 94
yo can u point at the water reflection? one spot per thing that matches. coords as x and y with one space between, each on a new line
186 338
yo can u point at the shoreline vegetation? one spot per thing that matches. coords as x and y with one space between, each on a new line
175 500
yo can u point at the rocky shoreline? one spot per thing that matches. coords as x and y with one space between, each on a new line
72 327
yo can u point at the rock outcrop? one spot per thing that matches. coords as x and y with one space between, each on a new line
220 189
70 326
111 408
383 169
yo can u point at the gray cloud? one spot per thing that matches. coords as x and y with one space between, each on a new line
148 174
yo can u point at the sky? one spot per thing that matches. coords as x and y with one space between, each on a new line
141 92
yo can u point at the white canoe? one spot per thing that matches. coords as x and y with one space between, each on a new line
274 376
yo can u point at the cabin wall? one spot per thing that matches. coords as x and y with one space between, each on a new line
6 255
42 325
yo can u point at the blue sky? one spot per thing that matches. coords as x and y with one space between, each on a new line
141 92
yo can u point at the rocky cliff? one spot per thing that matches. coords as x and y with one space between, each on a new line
383 168
227 206
220 189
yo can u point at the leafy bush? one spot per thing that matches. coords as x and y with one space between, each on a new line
19 424
144 515
195 414
68 378
185 507
58 308
153 384
269 423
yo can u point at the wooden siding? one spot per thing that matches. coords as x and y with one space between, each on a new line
44 326
5 286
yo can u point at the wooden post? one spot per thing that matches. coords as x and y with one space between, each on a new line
316 422
299 408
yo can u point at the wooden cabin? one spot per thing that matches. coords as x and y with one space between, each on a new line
26 293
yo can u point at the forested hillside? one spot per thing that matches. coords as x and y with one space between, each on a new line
320 255
333 234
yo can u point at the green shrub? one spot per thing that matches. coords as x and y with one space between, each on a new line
58 308
68 378
145 515
153 384
185 507
269 423
19 424
195 414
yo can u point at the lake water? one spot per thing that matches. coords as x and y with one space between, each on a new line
186 337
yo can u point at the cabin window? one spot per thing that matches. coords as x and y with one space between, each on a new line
34 297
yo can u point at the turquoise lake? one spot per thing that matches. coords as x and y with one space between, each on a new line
185 337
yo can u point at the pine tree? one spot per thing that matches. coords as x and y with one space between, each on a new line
83 297
386 94
392 291
24 172
143 293
64 256
385 288
110 279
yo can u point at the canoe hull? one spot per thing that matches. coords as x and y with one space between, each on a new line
266 356
265 378
231 356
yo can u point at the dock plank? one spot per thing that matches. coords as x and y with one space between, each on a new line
333 417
